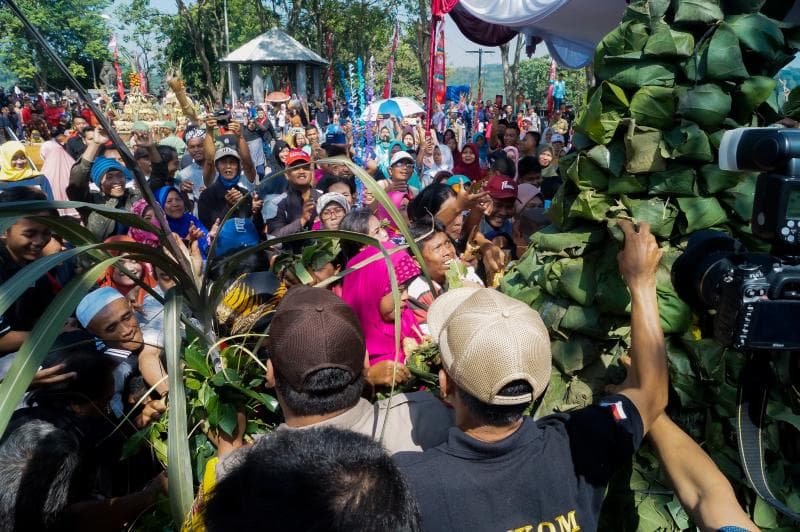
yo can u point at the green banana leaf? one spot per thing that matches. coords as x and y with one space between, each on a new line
628 184
739 199
678 180
643 149
179 465
41 338
697 11
702 212
586 174
589 205
601 116
707 105
610 157
653 107
689 143
792 106
749 96
659 213
574 354
577 280
630 36
574 242
649 12
666 42
758 33
724 57
717 180
611 296
632 71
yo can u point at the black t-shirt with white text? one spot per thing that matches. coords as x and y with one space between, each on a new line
550 475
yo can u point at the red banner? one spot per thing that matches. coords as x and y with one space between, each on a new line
442 7
329 74
550 102
439 81
387 87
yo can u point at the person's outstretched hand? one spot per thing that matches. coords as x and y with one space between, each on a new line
638 260
381 373
151 411
51 375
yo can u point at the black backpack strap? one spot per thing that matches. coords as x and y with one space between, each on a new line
755 381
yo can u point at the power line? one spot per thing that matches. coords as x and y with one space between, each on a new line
480 52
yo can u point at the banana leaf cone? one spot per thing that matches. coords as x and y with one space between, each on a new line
671 78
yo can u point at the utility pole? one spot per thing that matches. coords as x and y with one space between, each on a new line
228 51
480 52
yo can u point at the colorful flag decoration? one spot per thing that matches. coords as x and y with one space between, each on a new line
551 87
329 78
387 87
440 86
112 44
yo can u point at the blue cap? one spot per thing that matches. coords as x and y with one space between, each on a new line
102 165
235 234
95 301
458 179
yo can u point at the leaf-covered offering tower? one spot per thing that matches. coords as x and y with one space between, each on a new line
669 81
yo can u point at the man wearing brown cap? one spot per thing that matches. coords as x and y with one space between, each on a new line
500 470
316 365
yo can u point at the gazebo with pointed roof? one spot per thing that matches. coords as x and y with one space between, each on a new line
274 48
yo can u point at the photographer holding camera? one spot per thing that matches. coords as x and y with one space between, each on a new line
751 301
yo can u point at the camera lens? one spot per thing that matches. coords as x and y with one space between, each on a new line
698 273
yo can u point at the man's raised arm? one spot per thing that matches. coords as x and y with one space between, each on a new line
648 378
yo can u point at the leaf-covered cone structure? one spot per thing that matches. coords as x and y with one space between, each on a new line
670 80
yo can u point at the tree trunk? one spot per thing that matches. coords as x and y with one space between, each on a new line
198 41
511 70
422 37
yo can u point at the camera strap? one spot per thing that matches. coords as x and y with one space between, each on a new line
754 385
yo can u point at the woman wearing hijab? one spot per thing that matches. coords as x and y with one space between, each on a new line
57 164
400 201
469 165
181 221
275 163
143 210
16 171
394 147
547 162
124 284
437 158
368 292
479 140
512 153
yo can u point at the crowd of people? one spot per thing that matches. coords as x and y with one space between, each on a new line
471 190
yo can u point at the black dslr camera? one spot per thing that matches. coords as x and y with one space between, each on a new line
754 297
222 116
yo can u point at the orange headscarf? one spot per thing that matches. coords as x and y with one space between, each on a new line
147 272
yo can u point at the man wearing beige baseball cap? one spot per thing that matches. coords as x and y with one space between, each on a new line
501 470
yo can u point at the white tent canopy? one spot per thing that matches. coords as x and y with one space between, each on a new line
571 29
274 48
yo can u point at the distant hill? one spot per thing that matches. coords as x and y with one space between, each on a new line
492 79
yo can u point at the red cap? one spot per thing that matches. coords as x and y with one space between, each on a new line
296 155
501 187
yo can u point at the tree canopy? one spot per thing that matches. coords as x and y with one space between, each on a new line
75 29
